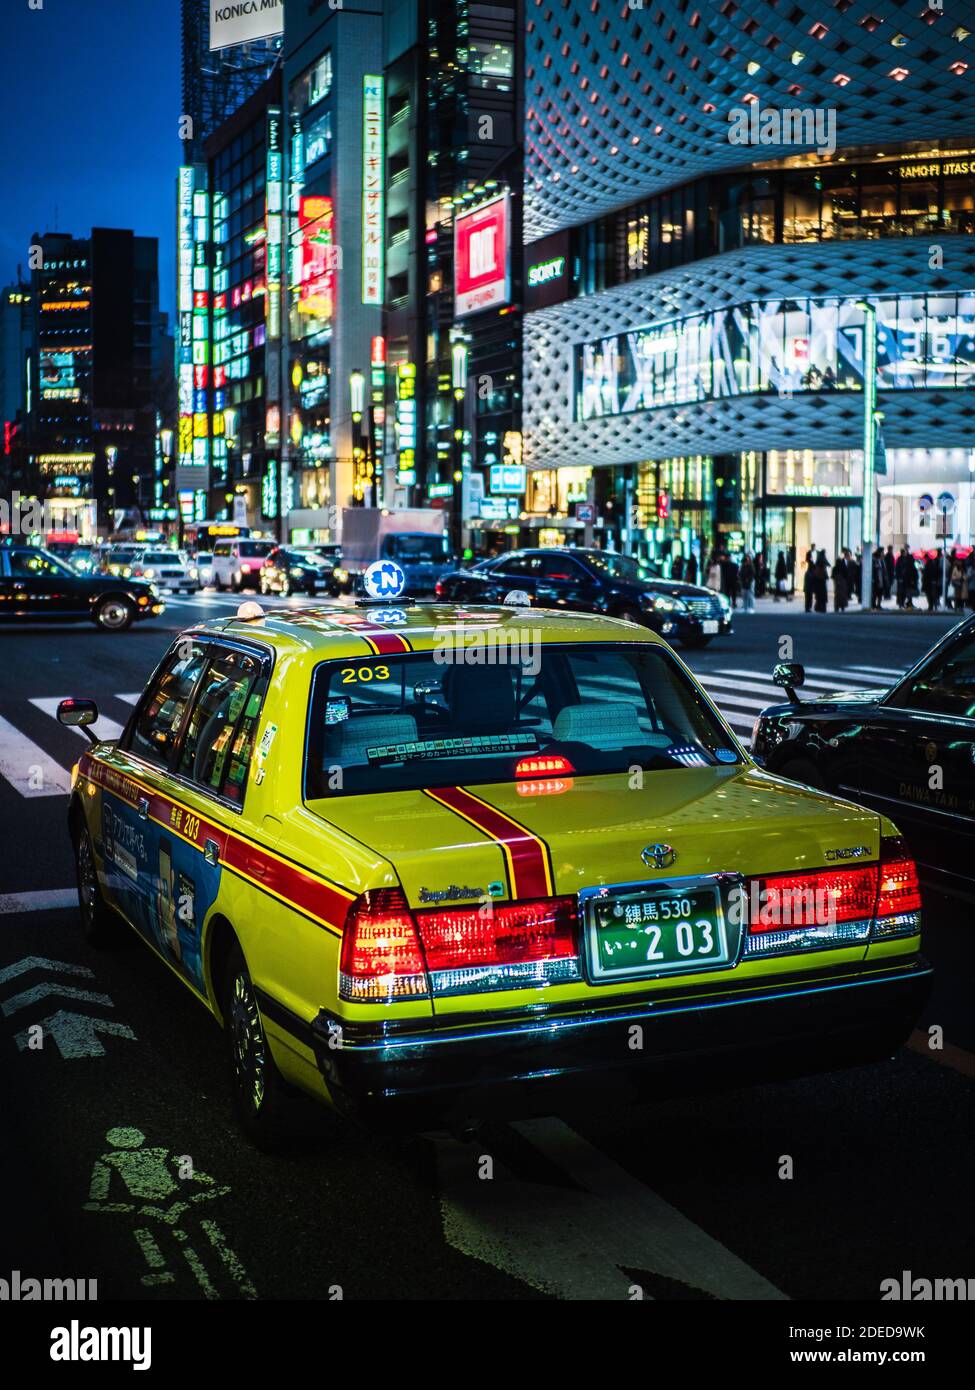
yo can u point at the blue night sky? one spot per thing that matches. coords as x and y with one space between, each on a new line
90 105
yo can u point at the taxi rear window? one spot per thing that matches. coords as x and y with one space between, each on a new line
476 714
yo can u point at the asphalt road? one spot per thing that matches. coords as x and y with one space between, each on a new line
685 1199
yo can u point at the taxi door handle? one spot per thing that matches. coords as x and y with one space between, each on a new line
143 807
211 852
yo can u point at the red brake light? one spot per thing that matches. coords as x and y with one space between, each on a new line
543 765
819 898
500 945
438 588
899 892
899 888
381 957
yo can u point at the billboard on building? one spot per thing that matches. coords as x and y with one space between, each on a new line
373 231
482 275
234 22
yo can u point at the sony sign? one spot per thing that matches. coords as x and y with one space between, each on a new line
234 22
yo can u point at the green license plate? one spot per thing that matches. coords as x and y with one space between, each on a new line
649 931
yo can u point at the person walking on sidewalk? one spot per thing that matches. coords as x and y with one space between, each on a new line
841 585
746 577
821 581
781 576
879 580
809 580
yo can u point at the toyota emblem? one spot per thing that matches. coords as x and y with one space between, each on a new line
658 856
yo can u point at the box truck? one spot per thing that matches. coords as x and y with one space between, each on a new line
414 537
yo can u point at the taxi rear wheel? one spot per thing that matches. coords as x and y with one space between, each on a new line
98 922
260 1093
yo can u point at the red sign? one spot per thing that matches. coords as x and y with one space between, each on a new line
481 277
316 292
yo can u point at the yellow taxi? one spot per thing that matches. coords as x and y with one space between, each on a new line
429 863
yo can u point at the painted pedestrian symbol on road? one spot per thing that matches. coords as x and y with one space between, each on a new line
157 1196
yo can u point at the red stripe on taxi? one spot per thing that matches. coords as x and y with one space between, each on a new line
384 641
526 856
315 897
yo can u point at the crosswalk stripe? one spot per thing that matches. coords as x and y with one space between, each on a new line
129 699
839 683
28 769
105 728
736 701
856 670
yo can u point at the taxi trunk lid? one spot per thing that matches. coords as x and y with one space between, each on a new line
455 850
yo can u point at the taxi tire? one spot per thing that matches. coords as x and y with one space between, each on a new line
99 924
260 1093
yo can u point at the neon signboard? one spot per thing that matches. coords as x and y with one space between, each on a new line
373 231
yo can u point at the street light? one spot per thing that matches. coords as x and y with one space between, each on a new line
869 442
458 380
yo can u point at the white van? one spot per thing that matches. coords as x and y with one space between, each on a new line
237 563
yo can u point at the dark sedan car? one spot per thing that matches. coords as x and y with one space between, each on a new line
36 586
289 570
908 751
596 581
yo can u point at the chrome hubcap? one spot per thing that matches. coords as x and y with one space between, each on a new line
113 614
250 1057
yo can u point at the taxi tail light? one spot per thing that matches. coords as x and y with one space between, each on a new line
898 893
381 960
811 910
493 946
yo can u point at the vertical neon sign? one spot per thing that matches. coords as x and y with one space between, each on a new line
373 232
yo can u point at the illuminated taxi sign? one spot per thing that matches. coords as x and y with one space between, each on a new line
384 580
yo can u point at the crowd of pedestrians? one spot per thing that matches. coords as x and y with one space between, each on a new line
943 579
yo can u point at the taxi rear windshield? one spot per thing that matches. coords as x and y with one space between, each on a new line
477 714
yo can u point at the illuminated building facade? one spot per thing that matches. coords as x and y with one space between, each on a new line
453 120
332 327
92 376
750 176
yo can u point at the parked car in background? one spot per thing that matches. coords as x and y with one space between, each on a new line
596 581
237 563
907 751
35 586
169 569
291 570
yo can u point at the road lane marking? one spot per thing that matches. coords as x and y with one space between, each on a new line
855 670
576 1244
28 769
104 727
38 992
43 900
129 699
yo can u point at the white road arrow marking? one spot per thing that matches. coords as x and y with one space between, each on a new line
32 996
576 1245
44 900
21 967
76 1035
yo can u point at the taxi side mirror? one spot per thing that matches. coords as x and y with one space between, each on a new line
790 675
79 714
